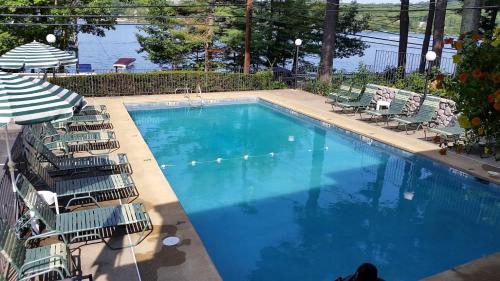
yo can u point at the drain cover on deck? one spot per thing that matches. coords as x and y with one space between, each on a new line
171 241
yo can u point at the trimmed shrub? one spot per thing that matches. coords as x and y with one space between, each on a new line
165 82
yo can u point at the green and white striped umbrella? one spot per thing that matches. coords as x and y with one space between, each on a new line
35 55
27 100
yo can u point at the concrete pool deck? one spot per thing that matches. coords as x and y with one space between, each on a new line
189 260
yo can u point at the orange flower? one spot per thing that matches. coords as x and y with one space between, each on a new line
459 45
440 77
448 41
497 94
496 106
436 85
476 36
476 73
475 121
462 77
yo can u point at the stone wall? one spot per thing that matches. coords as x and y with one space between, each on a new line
411 107
387 94
384 93
445 115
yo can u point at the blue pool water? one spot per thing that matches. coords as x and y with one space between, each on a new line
324 203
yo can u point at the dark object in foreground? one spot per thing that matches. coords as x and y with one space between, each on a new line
365 272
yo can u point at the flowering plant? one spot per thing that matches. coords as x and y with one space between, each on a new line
476 85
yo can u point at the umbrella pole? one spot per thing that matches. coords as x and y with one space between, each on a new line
11 163
11 166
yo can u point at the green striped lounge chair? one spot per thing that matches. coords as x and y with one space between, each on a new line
345 93
397 107
81 189
90 142
425 115
88 224
32 262
68 165
364 101
354 94
87 122
94 110
344 90
451 133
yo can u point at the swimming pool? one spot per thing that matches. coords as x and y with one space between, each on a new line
278 196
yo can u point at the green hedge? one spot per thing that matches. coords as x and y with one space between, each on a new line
165 82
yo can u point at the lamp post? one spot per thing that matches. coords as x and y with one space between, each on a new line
297 43
430 57
51 39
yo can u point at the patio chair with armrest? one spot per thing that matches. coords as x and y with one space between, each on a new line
451 133
396 108
88 224
33 262
364 101
94 110
425 115
87 121
73 190
79 141
68 165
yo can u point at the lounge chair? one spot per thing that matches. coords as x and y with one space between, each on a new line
94 188
88 224
85 122
452 133
68 165
364 101
79 141
425 115
343 90
94 110
345 93
354 94
32 262
397 106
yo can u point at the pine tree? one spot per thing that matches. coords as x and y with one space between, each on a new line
66 33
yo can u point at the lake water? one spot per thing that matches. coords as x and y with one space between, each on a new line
102 52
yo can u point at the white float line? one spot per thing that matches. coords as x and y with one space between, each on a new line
244 157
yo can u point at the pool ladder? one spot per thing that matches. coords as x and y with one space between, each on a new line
187 92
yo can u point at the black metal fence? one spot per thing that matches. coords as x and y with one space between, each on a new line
387 60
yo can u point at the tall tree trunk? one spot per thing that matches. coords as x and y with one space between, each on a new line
328 47
404 25
470 17
248 36
427 36
438 36
209 38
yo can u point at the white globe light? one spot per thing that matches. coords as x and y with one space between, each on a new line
51 38
298 42
430 56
